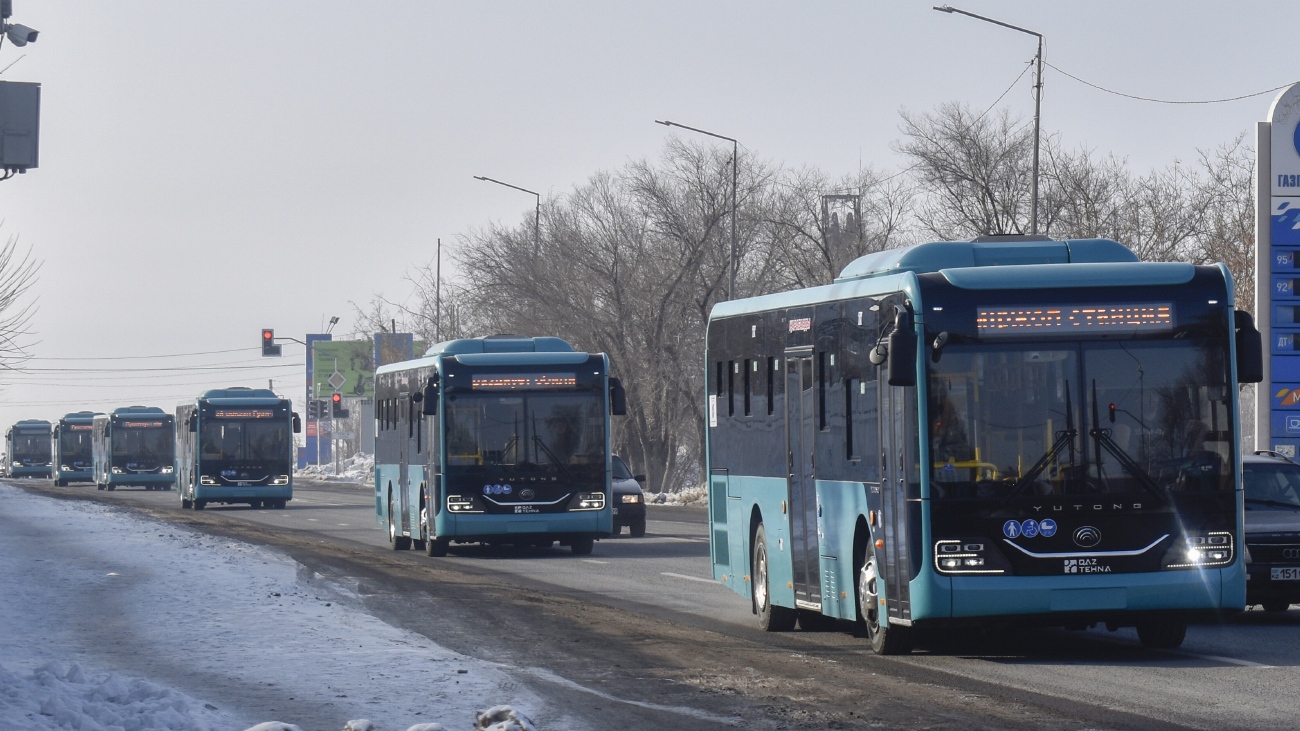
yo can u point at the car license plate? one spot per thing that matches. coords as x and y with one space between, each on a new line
615 511
1289 573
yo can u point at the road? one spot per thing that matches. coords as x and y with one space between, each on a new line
640 626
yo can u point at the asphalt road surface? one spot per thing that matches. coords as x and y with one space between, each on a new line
638 632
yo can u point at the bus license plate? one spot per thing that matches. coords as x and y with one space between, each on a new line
1289 573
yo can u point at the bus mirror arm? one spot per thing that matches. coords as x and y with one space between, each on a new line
902 351
192 423
297 423
1250 349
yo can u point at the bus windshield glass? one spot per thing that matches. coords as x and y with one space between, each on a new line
74 446
146 444
246 440
1126 417
31 447
546 432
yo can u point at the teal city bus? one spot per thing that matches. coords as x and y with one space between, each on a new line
72 448
235 445
493 440
29 448
135 446
1000 432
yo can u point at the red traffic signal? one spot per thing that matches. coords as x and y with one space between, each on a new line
337 398
268 342
338 412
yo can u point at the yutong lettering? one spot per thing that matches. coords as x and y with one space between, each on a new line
1089 507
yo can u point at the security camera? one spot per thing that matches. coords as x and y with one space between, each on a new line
20 35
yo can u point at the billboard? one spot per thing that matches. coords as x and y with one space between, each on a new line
345 366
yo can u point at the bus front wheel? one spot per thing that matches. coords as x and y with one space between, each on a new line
436 547
1162 634
886 639
771 618
582 546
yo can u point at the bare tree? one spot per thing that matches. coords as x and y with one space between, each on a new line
18 272
1228 231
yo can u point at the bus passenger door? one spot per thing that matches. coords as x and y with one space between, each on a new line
800 427
896 449
402 498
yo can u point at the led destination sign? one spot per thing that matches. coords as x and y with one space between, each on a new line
245 414
523 381
142 424
1074 319
80 427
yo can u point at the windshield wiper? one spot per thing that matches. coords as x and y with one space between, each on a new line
1064 439
1273 503
554 459
1102 440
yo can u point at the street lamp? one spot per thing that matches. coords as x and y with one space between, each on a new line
735 178
1038 98
537 220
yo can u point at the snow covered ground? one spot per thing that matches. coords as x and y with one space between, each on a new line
109 620
358 468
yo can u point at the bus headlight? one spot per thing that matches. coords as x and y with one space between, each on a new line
167 469
280 480
1201 550
461 504
205 480
973 556
117 470
591 501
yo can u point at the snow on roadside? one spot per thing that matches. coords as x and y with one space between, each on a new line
358 469
690 496
106 614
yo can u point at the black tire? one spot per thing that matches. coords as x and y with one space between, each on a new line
109 487
1276 605
255 504
395 541
280 503
617 530
886 638
60 483
637 529
200 504
1162 634
810 621
771 618
582 546
99 486
436 547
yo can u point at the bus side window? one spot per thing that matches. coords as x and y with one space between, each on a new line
851 452
747 381
821 391
731 388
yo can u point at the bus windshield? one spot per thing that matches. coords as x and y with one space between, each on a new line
546 431
1130 417
74 446
145 444
246 440
32 447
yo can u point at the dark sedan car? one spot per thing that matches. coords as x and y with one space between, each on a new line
629 501
1272 530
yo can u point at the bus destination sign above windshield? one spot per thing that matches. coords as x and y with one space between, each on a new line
142 424
523 381
1074 320
245 414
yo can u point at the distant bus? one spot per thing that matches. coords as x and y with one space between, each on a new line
987 433
135 446
235 445
495 440
72 448
29 448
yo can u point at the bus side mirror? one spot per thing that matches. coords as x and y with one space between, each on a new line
1250 349
429 399
902 351
617 398
297 423
192 423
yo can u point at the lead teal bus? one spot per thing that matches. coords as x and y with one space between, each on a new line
996 432
135 446
235 445
496 440
73 448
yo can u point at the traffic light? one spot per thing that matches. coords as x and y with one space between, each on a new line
339 412
268 343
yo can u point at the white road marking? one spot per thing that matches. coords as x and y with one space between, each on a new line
313 520
683 540
1221 658
344 524
592 560
688 578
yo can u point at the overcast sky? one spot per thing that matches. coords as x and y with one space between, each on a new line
209 169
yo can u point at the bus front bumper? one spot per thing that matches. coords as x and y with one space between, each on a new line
242 493
503 528
150 479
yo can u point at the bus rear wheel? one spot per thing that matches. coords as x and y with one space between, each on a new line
582 546
395 541
436 547
771 618
886 638
1164 633
200 504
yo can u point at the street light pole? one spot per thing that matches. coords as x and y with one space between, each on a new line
735 183
1038 101
537 218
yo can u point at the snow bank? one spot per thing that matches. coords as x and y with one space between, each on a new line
359 469
689 496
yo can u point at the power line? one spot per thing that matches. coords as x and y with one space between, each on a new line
173 368
139 357
1167 101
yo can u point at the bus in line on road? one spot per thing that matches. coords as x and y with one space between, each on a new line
135 446
28 445
500 439
997 432
235 445
72 448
